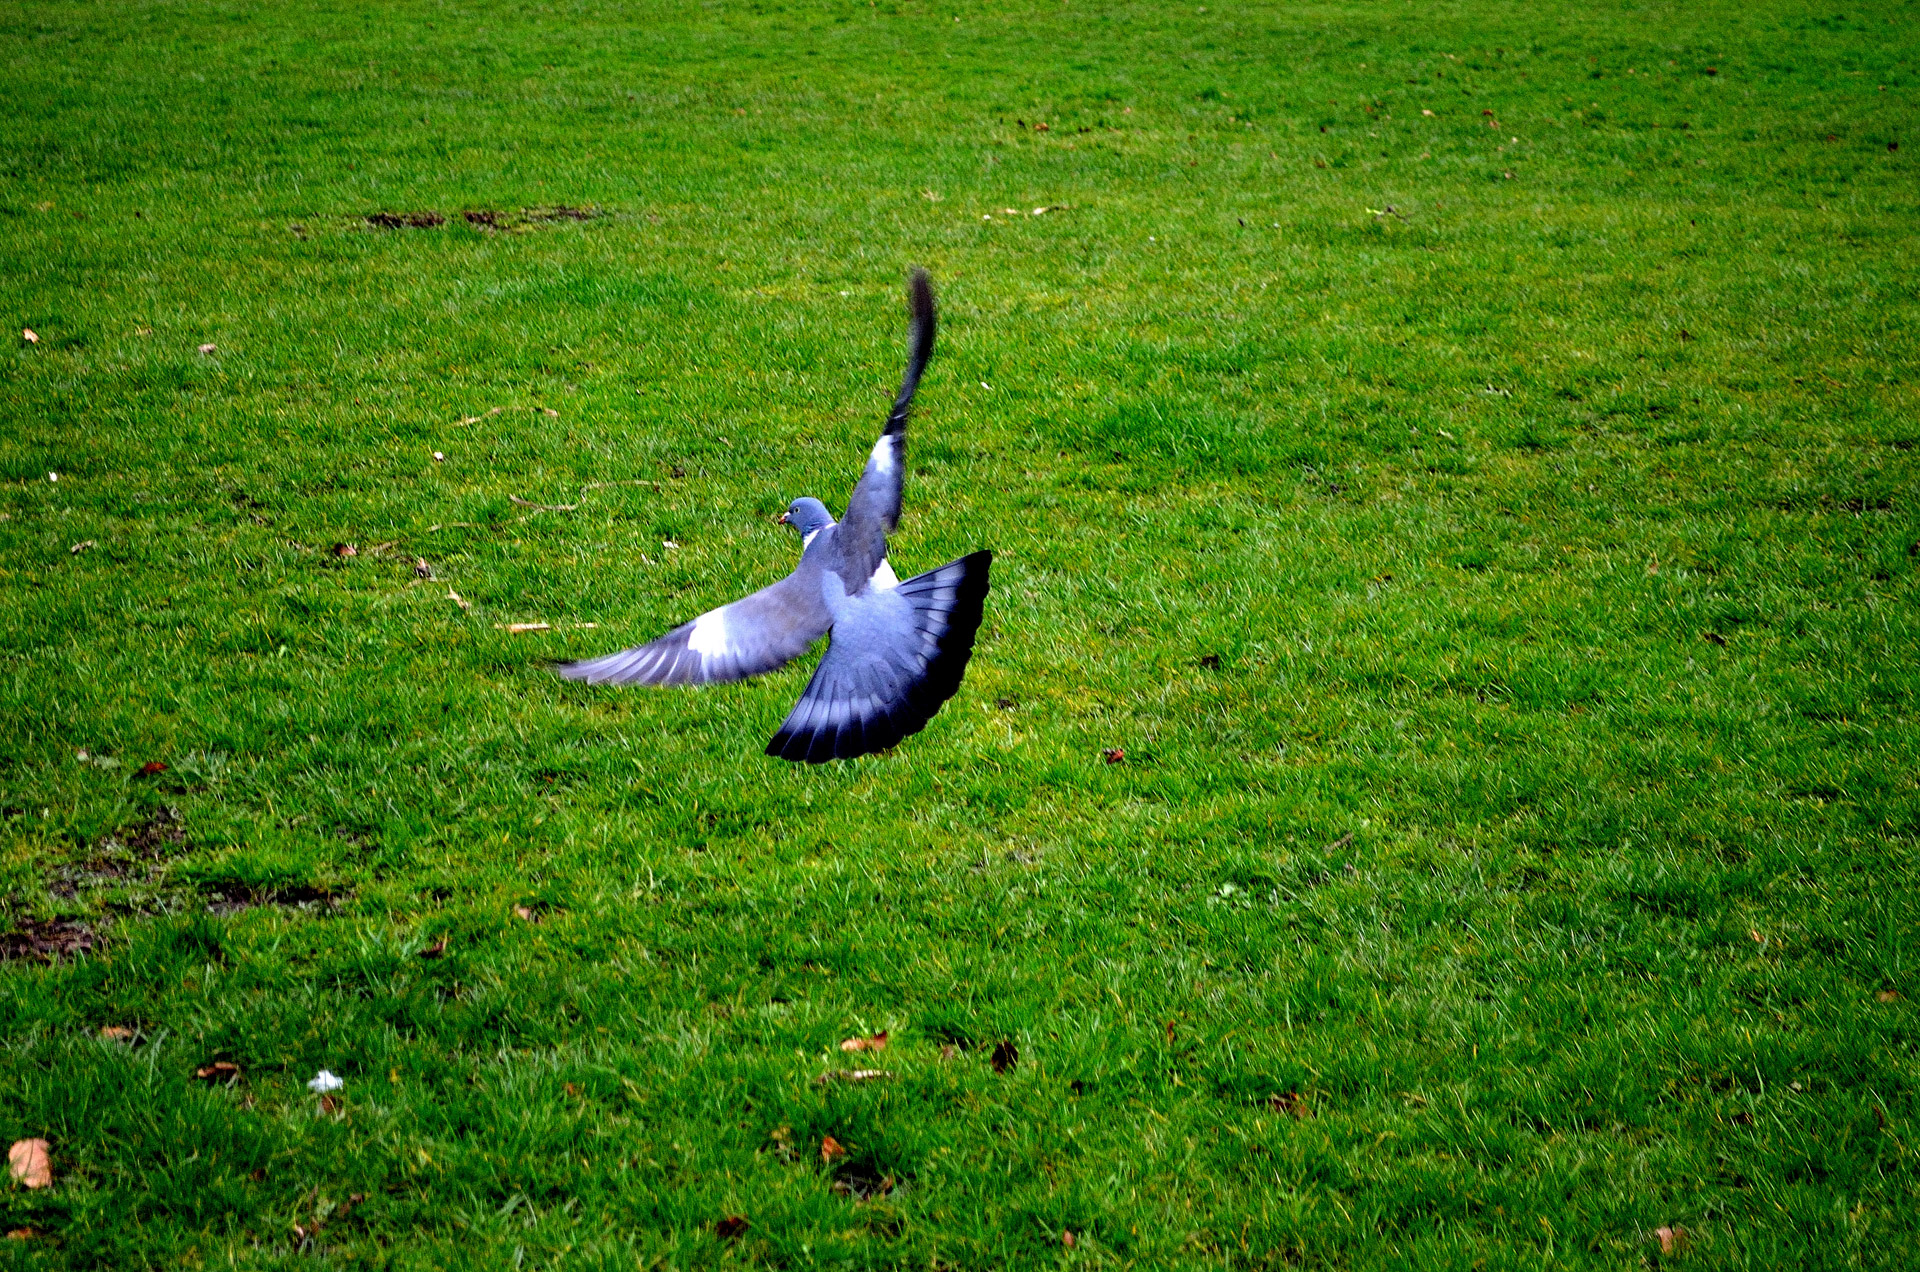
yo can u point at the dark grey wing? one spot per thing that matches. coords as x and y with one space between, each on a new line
755 634
896 655
873 511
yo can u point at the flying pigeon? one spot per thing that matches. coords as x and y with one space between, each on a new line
897 650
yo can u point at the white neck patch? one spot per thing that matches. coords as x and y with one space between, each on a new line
882 457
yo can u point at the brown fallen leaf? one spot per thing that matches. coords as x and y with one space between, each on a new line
222 1071
208 348
80 547
29 335
831 1148
549 412
1672 1240
330 1104
31 1162
1888 995
22 1234
435 950
1291 1103
116 1033
1114 755
878 1042
730 1227
1210 661
1067 1238
950 1051
345 550
526 913
1005 1056
153 768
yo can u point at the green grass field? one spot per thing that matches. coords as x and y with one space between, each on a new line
1462 454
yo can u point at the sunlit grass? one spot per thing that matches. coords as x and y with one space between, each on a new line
1497 590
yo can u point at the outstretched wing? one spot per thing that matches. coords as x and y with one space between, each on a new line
897 654
755 634
873 511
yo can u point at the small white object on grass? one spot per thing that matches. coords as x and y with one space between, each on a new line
324 1083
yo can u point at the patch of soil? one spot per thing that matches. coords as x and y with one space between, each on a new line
864 1183
562 213
44 940
486 218
406 220
160 835
231 898
150 841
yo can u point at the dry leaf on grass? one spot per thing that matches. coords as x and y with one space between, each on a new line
153 768
435 950
222 1071
1672 1240
31 1162
80 547
1068 1240
878 1042
457 599
1888 995
1292 1103
1005 1056
22 1234
830 1148
526 913
29 335
730 1227
1114 755
344 550
116 1033
208 348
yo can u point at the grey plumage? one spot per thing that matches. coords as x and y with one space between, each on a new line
898 649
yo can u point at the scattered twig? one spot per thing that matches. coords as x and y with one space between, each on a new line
459 600
528 503
525 627
1341 842
852 1075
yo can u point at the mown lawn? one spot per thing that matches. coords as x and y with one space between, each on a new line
1488 535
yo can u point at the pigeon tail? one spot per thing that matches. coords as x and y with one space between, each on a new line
901 655
919 349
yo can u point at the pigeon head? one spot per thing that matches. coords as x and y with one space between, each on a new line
806 514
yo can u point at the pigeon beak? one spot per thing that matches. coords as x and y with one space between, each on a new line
782 519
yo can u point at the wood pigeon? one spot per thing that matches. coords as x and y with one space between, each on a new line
897 649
